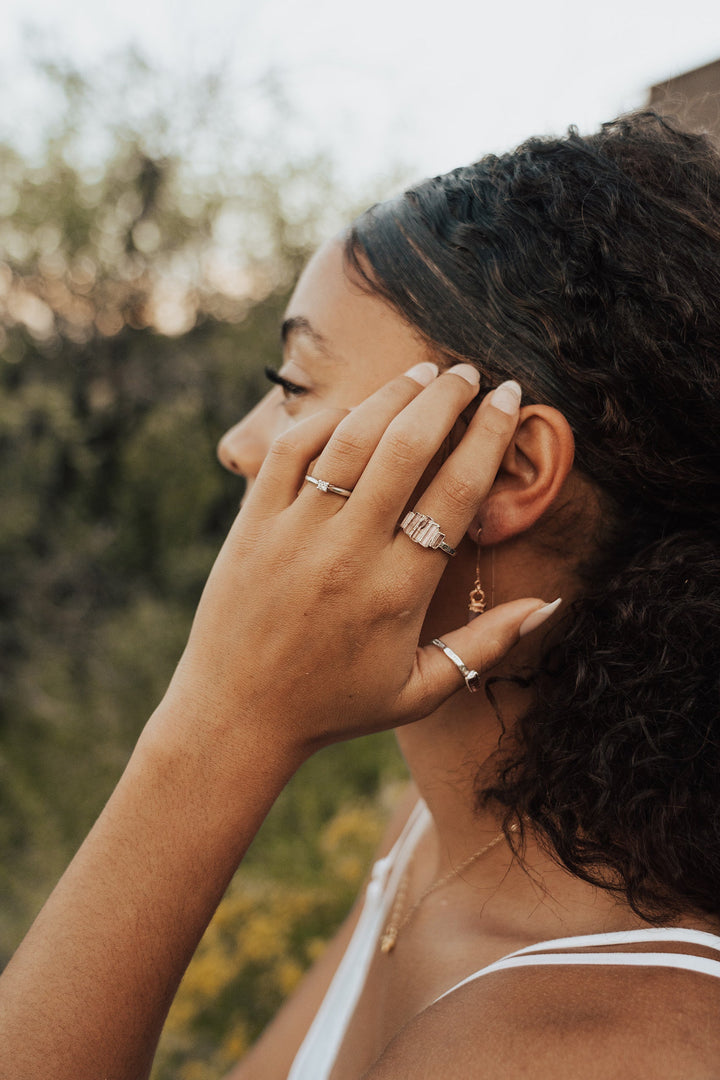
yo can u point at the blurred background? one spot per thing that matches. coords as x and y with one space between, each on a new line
165 169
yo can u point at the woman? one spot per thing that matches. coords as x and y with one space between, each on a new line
577 796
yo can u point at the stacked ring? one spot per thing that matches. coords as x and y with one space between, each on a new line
424 531
471 677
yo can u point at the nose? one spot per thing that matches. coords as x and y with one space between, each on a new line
242 449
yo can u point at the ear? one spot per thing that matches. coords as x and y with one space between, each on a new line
533 471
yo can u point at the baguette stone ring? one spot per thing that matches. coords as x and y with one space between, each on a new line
472 678
424 531
323 485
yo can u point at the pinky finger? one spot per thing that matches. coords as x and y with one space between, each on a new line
476 648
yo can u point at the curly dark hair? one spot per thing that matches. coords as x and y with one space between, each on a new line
588 268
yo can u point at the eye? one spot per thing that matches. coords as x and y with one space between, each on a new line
290 389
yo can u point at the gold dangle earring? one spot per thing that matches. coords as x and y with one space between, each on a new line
477 602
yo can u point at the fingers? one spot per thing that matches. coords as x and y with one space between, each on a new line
283 471
464 480
356 437
409 444
479 646
381 448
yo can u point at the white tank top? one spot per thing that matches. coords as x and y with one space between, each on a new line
316 1056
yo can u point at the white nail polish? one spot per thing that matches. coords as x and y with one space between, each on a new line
424 373
467 372
537 618
507 397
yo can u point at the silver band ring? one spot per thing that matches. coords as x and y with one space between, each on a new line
426 532
472 678
323 485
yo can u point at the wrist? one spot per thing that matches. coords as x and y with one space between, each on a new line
216 757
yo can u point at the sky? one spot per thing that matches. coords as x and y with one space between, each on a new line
426 85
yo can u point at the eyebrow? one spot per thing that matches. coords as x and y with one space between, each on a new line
298 324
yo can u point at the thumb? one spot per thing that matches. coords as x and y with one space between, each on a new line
478 646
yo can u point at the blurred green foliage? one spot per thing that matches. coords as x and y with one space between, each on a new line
139 302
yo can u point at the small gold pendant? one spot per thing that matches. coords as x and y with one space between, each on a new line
387 942
477 602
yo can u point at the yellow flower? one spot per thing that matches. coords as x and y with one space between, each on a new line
288 974
197 1070
359 826
263 938
315 948
235 1044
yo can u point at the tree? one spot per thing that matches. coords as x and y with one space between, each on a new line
139 302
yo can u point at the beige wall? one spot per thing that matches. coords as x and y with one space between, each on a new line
693 97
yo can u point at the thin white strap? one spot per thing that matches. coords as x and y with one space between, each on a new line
412 830
683 961
626 937
317 1053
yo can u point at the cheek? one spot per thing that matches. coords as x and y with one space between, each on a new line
359 379
355 391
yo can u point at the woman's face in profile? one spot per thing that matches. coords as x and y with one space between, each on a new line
340 344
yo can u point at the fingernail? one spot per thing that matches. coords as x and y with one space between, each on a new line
537 618
423 373
507 397
467 372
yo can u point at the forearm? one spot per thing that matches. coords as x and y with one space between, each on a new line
87 992
297 611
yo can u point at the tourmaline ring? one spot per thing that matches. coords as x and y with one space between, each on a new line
424 531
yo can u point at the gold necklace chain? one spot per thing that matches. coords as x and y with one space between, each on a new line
393 928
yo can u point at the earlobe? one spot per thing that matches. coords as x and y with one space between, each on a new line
532 474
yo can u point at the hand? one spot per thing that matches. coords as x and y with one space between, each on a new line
307 631
308 628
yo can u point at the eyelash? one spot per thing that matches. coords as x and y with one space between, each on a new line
290 389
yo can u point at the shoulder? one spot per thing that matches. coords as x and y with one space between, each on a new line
558 1023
